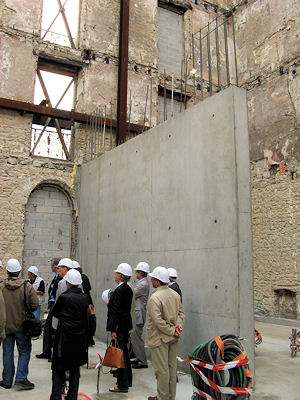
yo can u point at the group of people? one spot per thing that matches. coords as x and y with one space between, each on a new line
164 317
70 324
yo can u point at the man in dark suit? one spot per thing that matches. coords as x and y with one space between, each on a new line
119 323
48 330
173 284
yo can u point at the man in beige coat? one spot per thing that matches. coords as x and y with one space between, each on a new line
164 323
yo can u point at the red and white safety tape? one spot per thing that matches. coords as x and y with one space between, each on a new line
217 367
221 389
203 394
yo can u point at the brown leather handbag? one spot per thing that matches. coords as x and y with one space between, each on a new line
113 356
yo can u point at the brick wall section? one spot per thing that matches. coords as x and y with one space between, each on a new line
47 231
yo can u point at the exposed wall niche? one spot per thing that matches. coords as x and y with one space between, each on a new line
286 303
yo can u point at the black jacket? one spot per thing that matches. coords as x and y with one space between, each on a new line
86 286
70 343
175 286
118 310
53 288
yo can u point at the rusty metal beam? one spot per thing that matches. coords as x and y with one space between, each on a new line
123 72
81 118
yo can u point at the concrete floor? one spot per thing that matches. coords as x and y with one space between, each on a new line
276 374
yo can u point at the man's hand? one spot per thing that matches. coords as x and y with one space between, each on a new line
113 336
178 330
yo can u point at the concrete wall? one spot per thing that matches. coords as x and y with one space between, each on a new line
178 196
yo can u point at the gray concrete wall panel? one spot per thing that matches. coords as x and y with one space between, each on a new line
178 196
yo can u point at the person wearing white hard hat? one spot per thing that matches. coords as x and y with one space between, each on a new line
48 330
119 323
64 265
86 287
141 294
39 287
164 323
70 342
13 290
172 283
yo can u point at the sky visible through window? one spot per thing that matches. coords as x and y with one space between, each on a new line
57 32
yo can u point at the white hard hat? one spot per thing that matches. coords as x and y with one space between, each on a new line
66 262
160 273
105 295
173 273
13 265
34 270
124 269
76 264
143 266
73 277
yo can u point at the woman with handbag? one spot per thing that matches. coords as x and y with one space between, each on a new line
119 323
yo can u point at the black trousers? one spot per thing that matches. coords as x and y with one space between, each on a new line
58 380
124 380
48 332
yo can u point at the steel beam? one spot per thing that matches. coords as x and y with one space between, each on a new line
30 108
123 72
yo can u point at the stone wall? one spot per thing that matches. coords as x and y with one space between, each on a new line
276 233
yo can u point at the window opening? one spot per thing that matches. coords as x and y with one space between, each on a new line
51 137
60 22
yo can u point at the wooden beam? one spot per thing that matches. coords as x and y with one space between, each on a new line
123 72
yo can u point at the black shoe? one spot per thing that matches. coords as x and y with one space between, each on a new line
43 355
139 365
25 385
4 385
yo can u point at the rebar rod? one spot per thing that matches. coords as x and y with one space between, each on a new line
201 65
185 83
226 51
145 108
165 98
181 85
172 96
194 72
150 102
217 53
234 48
111 135
104 126
209 62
